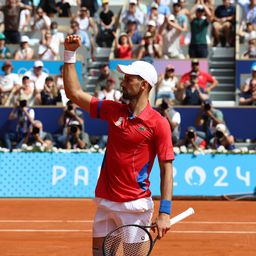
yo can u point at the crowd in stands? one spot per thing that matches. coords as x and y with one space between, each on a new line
155 29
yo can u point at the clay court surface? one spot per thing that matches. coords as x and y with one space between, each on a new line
63 227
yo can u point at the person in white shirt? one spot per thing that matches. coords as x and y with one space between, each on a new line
42 21
109 92
25 52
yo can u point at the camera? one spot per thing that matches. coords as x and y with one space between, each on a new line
219 134
73 128
207 107
191 135
23 103
70 107
164 105
35 130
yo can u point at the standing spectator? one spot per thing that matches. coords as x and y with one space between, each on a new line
105 35
25 52
207 119
25 118
123 46
190 93
84 20
166 85
171 31
204 79
57 37
37 75
249 97
50 95
11 13
8 81
48 49
180 17
4 50
42 21
109 92
133 31
223 138
63 8
198 47
223 24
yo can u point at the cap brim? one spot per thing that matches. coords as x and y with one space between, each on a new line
126 70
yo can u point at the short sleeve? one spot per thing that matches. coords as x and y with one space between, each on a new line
163 140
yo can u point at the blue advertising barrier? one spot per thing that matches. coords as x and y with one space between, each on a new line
76 174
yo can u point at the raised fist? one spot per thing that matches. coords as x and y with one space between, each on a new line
72 42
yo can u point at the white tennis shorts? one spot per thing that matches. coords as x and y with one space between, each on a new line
111 215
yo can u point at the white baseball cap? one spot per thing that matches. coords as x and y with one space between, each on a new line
221 128
140 68
132 1
24 39
38 63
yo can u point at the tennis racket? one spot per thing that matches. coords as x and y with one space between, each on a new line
135 240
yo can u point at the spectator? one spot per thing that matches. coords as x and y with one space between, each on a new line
109 92
42 21
37 75
183 9
246 85
223 24
223 138
63 8
246 31
25 118
250 11
148 48
70 113
190 93
84 20
142 7
250 53
132 31
49 7
180 17
192 140
173 117
132 13
207 119
48 48
25 52
4 50
37 134
198 47
152 28
166 85
50 95
123 46
170 31
204 79
162 8
91 5
8 81
249 97
57 37
24 22
11 11
105 35
155 15
76 138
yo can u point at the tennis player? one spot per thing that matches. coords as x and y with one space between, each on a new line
137 133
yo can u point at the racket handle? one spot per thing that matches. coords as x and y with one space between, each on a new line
182 216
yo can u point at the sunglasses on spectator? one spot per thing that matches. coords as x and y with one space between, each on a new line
170 69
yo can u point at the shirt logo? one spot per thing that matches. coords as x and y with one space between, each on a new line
142 128
119 121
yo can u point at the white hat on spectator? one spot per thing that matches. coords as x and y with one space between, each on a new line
154 5
132 1
38 63
151 23
221 128
200 7
140 68
171 17
24 39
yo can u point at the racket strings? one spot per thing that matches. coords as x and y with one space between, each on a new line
128 241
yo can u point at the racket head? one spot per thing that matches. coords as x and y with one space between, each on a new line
128 240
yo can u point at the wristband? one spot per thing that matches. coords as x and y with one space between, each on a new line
165 206
69 56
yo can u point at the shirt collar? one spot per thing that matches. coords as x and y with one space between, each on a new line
143 115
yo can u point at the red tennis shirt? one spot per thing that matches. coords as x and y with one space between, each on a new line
133 143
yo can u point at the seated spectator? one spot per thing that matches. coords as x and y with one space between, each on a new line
25 52
4 50
166 109
148 48
50 95
198 46
223 24
85 21
223 138
134 13
91 5
133 32
57 37
192 140
37 75
76 138
109 92
250 53
162 8
246 31
152 28
155 15
63 8
170 31
249 97
166 85
105 35
25 118
37 134
42 21
190 93
207 119
249 9
123 46
48 48
246 85
8 81
206 81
